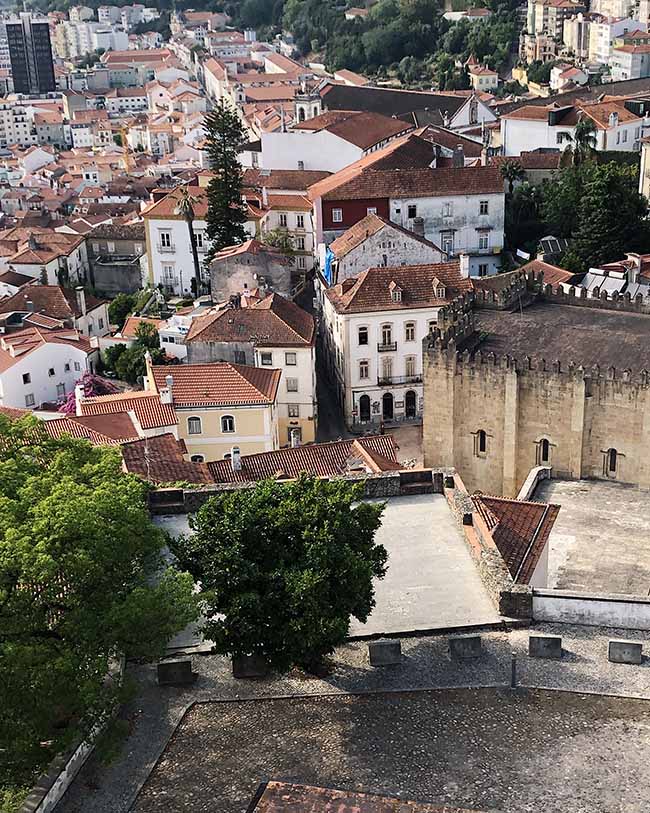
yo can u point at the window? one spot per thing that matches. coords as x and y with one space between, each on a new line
447 242
412 211
483 270
337 215
101 324
60 391
110 247
227 423
266 359
371 210
409 332
197 458
611 462
283 220
293 410
29 400
363 335
50 372
301 263
364 369
411 366
624 136
480 443
618 137
387 368
300 221
165 239
396 295
168 274
290 359
66 368
483 207
447 209
240 357
544 453
386 334
300 243
194 426
483 240
292 385
77 367
27 378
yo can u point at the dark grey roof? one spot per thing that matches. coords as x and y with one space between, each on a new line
110 231
391 102
625 88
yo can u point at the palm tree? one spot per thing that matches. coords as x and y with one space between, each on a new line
512 171
185 208
584 139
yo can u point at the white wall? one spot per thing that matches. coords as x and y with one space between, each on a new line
179 258
317 151
304 370
37 364
628 612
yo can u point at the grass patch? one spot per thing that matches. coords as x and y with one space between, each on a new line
12 798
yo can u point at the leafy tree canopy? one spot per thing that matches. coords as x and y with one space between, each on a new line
284 567
77 553
121 307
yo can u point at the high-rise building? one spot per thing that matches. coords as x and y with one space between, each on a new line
30 52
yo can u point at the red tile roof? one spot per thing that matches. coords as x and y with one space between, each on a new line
160 460
298 180
273 322
130 328
520 531
15 346
50 300
80 428
364 129
251 246
219 384
148 409
553 274
373 454
419 284
165 208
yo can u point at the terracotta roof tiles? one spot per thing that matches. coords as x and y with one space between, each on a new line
364 129
219 384
367 227
160 459
147 406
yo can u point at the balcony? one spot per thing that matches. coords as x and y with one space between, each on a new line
394 380
390 347
166 249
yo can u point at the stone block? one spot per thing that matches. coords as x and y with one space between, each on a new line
384 653
625 651
465 646
176 672
449 481
249 666
545 646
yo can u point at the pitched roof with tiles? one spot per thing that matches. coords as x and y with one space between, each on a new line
160 459
15 346
389 101
130 328
520 530
321 459
99 434
364 129
553 274
273 322
252 246
54 301
420 288
166 207
298 180
367 227
150 412
219 384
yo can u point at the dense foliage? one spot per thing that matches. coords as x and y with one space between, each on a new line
129 362
121 307
283 567
77 552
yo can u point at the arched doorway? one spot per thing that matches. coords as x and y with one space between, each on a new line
364 409
301 114
387 406
410 404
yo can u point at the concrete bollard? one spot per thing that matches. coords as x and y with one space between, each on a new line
176 672
384 653
625 651
545 646
465 646
249 666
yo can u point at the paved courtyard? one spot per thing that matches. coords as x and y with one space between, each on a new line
601 538
487 749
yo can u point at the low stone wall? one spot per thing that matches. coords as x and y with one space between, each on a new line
592 610
535 477
510 599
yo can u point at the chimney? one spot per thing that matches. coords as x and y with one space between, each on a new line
634 268
235 458
81 299
613 119
464 265
29 305
418 226
78 397
265 197
167 393
484 157
458 159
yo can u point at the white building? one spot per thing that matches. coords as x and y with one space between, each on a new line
630 62
40 366
373 331
531 127
563 76
576 35
612 8
602 35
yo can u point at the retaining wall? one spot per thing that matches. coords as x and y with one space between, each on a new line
569 607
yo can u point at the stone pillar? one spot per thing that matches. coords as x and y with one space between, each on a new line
439 407
644 441
578 407
510 427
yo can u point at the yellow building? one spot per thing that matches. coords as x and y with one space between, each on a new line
220 407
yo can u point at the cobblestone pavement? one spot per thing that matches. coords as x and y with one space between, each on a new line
155 712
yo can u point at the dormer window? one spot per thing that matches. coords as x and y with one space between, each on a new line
439 290
395 292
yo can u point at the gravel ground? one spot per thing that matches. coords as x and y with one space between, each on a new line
155 712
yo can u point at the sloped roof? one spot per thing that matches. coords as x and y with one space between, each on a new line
321 459
54 301
367 227
219 384
388 101
148 409
298 180
272 322
371 291
15 346
364 129
520 530
101 434
159 459
553 274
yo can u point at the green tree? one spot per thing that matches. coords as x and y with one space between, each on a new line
284 567
511 171
584 140
77 555
185 208
279 238
226 210
121 307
